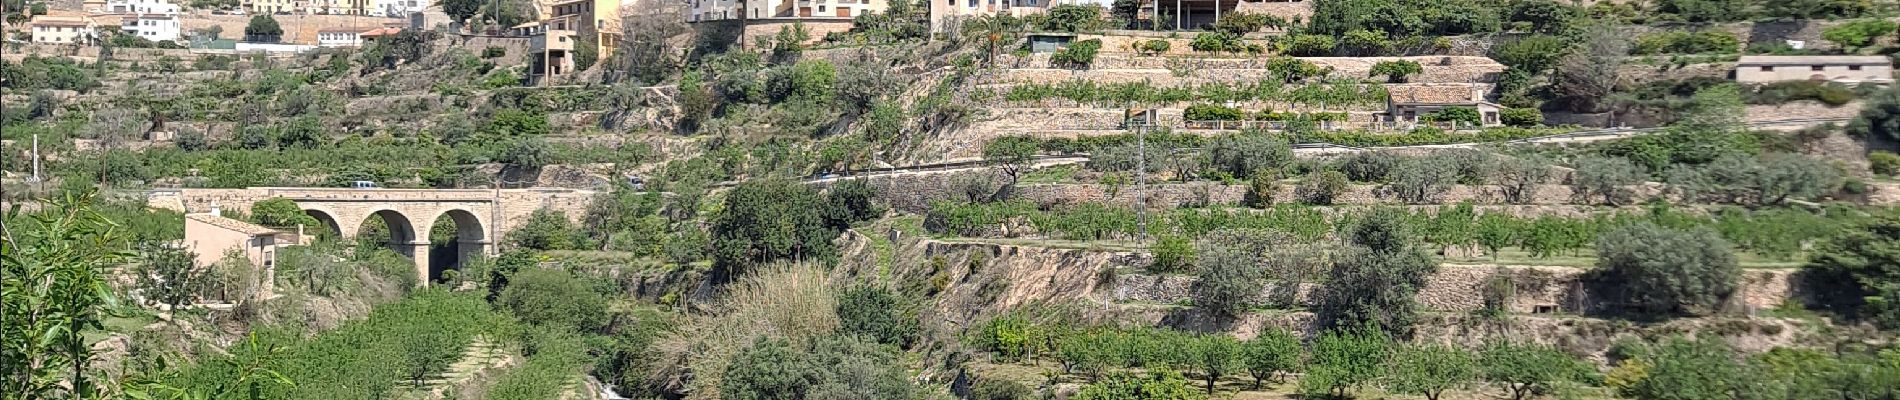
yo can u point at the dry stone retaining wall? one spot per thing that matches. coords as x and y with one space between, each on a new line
1460 288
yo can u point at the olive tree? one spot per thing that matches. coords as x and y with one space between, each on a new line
1860 267
1375 280
1668 271
1421 180
1519 178
1607 178
1228 268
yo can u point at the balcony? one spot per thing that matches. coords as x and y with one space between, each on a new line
552 39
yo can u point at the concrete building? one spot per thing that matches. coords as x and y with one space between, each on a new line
342 37
62 30
153 27
141 7
212 237
715 10
396 8
1409 102
271 6
1763 69
598 20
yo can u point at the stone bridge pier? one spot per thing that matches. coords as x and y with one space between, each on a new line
406 215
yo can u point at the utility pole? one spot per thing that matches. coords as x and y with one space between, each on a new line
36 157
1141 172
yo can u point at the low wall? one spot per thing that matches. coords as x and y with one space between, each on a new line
1460 288
1211 193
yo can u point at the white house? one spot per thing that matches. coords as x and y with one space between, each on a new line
342 37
153 27
396 8
61 30
141 7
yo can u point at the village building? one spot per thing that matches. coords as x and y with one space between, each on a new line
396 8
1408 103
212 237
153 27
63 30
341 37
1850 69
716 10
141 7
271 6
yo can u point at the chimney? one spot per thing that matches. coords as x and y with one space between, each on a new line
215 211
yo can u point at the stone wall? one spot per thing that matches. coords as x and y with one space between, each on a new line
728 32
1159 71
1802 109
1460 288
1289 10
1211 193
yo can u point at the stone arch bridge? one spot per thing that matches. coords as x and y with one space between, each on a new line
480 215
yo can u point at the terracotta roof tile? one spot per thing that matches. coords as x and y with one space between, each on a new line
1433 94
232 224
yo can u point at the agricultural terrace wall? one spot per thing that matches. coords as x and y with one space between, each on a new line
1159 71
983 279
759 31
514 48
1460 288
1291 11
1170 195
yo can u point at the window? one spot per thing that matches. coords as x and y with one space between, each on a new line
821 8
1766 68
1818 68
1853 68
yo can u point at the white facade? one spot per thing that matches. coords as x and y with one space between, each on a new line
153 27
63 30
396 8
141 7
340 38
715 10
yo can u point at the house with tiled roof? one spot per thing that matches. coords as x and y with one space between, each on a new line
1406 103
213 237
64 29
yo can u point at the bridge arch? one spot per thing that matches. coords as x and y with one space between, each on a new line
455 235
328 226
402 233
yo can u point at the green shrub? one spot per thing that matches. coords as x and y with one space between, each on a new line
1153 46
1211 112
554 298
1077 54
1831 93
873 314
1172 254
1665 271
1217 42
1521 117
1464 116
1000 389
1884 162
1308 45
1683 42
1858 34
494 51
1396 71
